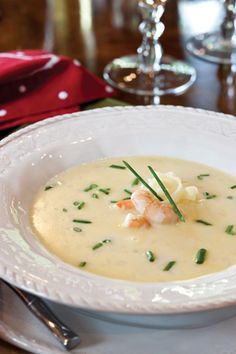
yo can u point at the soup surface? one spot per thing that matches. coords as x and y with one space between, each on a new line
85 217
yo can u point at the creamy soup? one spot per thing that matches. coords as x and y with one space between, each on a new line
92 217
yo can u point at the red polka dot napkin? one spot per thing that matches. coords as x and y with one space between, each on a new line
35 85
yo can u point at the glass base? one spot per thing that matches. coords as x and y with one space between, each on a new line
213 47
174 76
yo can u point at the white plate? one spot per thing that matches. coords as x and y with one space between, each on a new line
19 327
31 156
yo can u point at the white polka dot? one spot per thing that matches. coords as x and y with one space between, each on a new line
109 89
63 95
76 62
3 112
20 54
22 88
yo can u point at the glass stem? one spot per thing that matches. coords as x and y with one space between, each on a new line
228 27
150 50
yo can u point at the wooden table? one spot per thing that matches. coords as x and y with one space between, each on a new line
96 31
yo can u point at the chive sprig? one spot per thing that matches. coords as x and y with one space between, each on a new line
143 181
167 194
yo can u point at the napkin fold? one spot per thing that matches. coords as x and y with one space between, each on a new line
35 85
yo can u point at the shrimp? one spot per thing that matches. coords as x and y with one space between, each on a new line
154 211
136 221
160 213
141 198
125 204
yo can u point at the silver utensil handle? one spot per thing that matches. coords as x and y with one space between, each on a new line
62 332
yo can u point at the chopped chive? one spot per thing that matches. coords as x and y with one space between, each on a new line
233 187
107 240
79 204
97 245
201 176
48 187
169 266
230 197
100 244
77 229
127 191
82 221
95 196
65 210
208 195
230 230
113 201
82 264
135 182
90 187
105 190
119 167
200 256
200 221
168 196
126 198
142 180
150 256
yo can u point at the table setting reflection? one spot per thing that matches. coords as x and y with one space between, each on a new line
88 80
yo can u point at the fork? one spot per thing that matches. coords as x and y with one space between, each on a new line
67 337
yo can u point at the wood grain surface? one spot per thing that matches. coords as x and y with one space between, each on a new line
96 31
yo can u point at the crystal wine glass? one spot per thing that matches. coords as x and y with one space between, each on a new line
149 72
218 47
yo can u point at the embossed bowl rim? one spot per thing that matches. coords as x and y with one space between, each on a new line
31 155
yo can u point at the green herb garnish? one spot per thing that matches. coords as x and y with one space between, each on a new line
119 167
90 187
48 187
82 264
200 256
135 182
97 245
201 176
142 180
65 210
100 244
81 221
233 187
127 191
208 195
168 196
230 197
150 256
79 204
77 229
105 190
169 266
230 230
113 201
126 198
107 240
95 196
200 221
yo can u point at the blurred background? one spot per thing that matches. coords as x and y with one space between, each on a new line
96 31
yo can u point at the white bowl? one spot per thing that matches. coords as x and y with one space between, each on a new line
31 156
